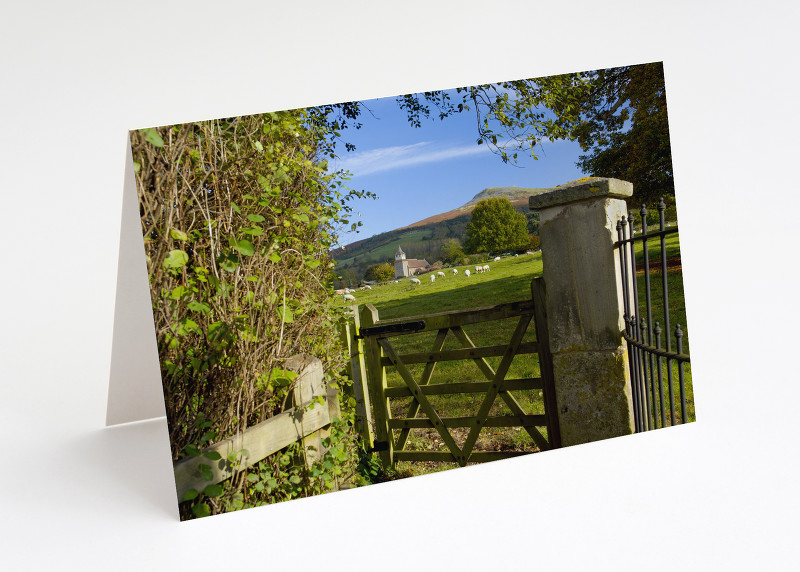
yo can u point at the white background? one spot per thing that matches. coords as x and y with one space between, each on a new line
719 494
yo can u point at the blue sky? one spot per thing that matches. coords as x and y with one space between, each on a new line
420 172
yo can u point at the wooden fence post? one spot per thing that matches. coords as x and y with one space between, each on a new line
310 385
355 348
376 376
545 362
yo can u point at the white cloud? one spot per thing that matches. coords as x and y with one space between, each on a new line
402 156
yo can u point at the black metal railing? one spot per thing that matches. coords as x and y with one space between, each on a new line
650 361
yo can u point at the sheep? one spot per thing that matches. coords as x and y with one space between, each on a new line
485 268
466 273
478 269
433 278
455 271
497 259
440 274
415 281
349 297
367 287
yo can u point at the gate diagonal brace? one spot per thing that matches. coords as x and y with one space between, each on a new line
413 407
457 453
499 376
506 396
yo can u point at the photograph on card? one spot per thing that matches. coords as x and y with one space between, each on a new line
361 292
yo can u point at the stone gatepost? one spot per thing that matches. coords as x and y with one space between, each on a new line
584 306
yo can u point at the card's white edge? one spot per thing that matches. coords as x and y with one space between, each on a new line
134 390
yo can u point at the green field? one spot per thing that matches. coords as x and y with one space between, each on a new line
507 281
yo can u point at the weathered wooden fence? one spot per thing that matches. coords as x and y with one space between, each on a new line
372 352
306 421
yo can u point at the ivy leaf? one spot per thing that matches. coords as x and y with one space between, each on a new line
255 218
178 235
175 259
213 490
192 450
205 471
275 257
152 137
212 455
245 247
285 313
137 166
190 495
201 510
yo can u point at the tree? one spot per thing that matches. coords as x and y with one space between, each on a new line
379 272
496 226
451 251
618 115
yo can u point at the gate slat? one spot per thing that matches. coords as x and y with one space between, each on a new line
468 387
472 352
500 421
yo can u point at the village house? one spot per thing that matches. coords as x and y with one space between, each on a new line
404 267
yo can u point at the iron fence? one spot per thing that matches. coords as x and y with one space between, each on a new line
650 360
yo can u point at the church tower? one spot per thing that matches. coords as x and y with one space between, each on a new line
400 264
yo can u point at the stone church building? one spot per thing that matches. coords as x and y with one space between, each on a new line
407 266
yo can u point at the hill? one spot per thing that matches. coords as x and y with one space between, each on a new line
424 238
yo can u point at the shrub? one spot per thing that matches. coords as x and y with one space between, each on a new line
382 272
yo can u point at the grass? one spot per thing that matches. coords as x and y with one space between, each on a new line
507 281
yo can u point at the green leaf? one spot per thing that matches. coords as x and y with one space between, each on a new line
294 479
275 257
229 264
236 208
201 510
255 218
178 235
190 495
285 313
175 259
178 292
152 137
258 145
213 490
213 455
201 307
245 247
137 166
205 471
192 450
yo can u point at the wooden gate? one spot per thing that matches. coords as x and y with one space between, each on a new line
379 353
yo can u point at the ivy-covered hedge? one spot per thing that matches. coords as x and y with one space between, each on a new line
238 216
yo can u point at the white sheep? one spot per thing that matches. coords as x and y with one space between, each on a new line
478 269
497 259
455 271
466 273
349 297
440 274
486 268
433 278
415 281
367 287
